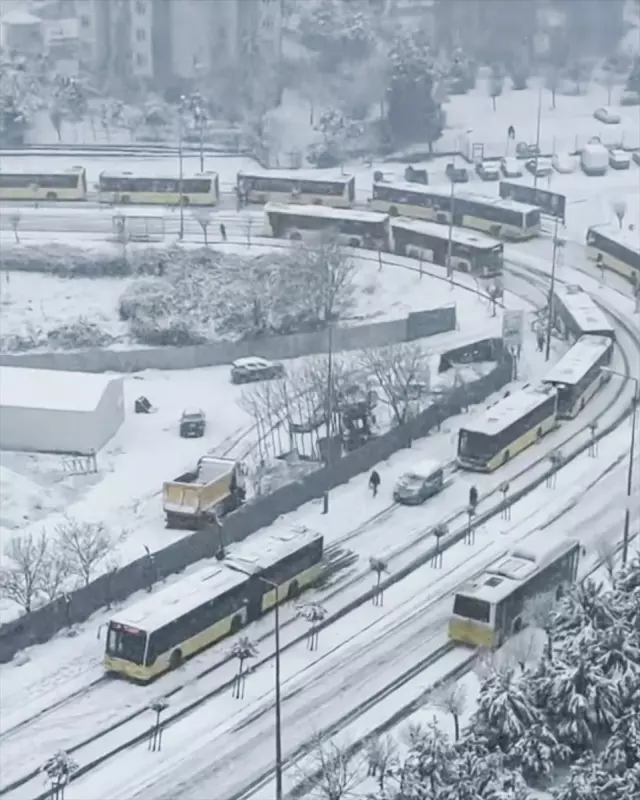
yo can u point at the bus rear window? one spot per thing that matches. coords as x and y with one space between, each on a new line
126 645
471 608
533 218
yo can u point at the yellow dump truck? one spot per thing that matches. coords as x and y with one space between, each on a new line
214 488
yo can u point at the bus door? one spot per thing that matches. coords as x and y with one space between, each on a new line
255 591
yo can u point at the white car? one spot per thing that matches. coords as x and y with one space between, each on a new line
619 159
254 368
511 168
564 163
607 116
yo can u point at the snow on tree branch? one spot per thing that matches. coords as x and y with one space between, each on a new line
84 546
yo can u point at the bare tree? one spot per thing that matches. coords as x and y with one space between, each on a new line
402 372
248 227
380 567
84 545
329 275
619 209
539 612
55 571
314 613
452 699
382 758
21 580
243 650
15 219
606 550
202 215
335 770
59 770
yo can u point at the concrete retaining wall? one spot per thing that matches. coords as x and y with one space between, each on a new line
417 325
42 624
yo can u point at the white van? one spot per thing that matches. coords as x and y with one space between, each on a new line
594 158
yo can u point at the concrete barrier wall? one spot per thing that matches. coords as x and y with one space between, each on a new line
42 624
417 325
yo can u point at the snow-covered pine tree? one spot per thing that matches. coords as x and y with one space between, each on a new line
585 605
622 752
537 752
505 710
428 763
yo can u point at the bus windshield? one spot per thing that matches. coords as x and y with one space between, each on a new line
476 445
472 608
127 644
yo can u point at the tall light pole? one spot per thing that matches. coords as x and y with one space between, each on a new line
539 120
329 410
276 611
552 286
181 109
636 400
452 203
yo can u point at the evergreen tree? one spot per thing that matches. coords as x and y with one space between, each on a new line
504 710
428 762
537 752
622 752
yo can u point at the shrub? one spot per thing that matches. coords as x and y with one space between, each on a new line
65 261
147 298
78 334
166 332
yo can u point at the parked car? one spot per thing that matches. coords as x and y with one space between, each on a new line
193 424
488 170
511 168
540 167
564 163
254 368
420 484
636 157
618 159
607 116
630 98
456 174
524 150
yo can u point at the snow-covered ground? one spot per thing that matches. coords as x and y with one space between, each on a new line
384 643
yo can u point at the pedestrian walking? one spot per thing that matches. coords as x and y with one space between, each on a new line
374 482
223 232
540 341
473 497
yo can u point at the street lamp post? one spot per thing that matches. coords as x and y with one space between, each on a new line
552 287
329 411
627 513
181 108
276 611
538 122
452 199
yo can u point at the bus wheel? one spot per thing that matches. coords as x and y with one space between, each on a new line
293 591
236 624
125 199
393 212
295 236
184 201
354 242
176 659
51 196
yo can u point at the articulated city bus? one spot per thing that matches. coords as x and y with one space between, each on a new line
126 188
502 219
65 185
617 250
297 186
575 314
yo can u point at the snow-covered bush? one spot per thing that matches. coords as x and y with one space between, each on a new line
65 261
78 334
146 299
170 331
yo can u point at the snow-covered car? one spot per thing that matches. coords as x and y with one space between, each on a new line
540 167
419 485
524 150
488 171
254 368
564 163
619 159
193 423
511 168
607 116
456 174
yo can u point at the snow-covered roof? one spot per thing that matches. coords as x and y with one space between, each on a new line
18 17
575 364
132 176
171 602
509 572
348 214
296 175
458 235
251 362
626 238
51 389
259 553
586 314
459 194
505 412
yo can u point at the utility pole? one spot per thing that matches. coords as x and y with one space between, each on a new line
181 108
539 120
276 609
552 286
329 410
452 204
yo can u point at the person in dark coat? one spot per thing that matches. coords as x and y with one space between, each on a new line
540 341
223 232
374 482
473 497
